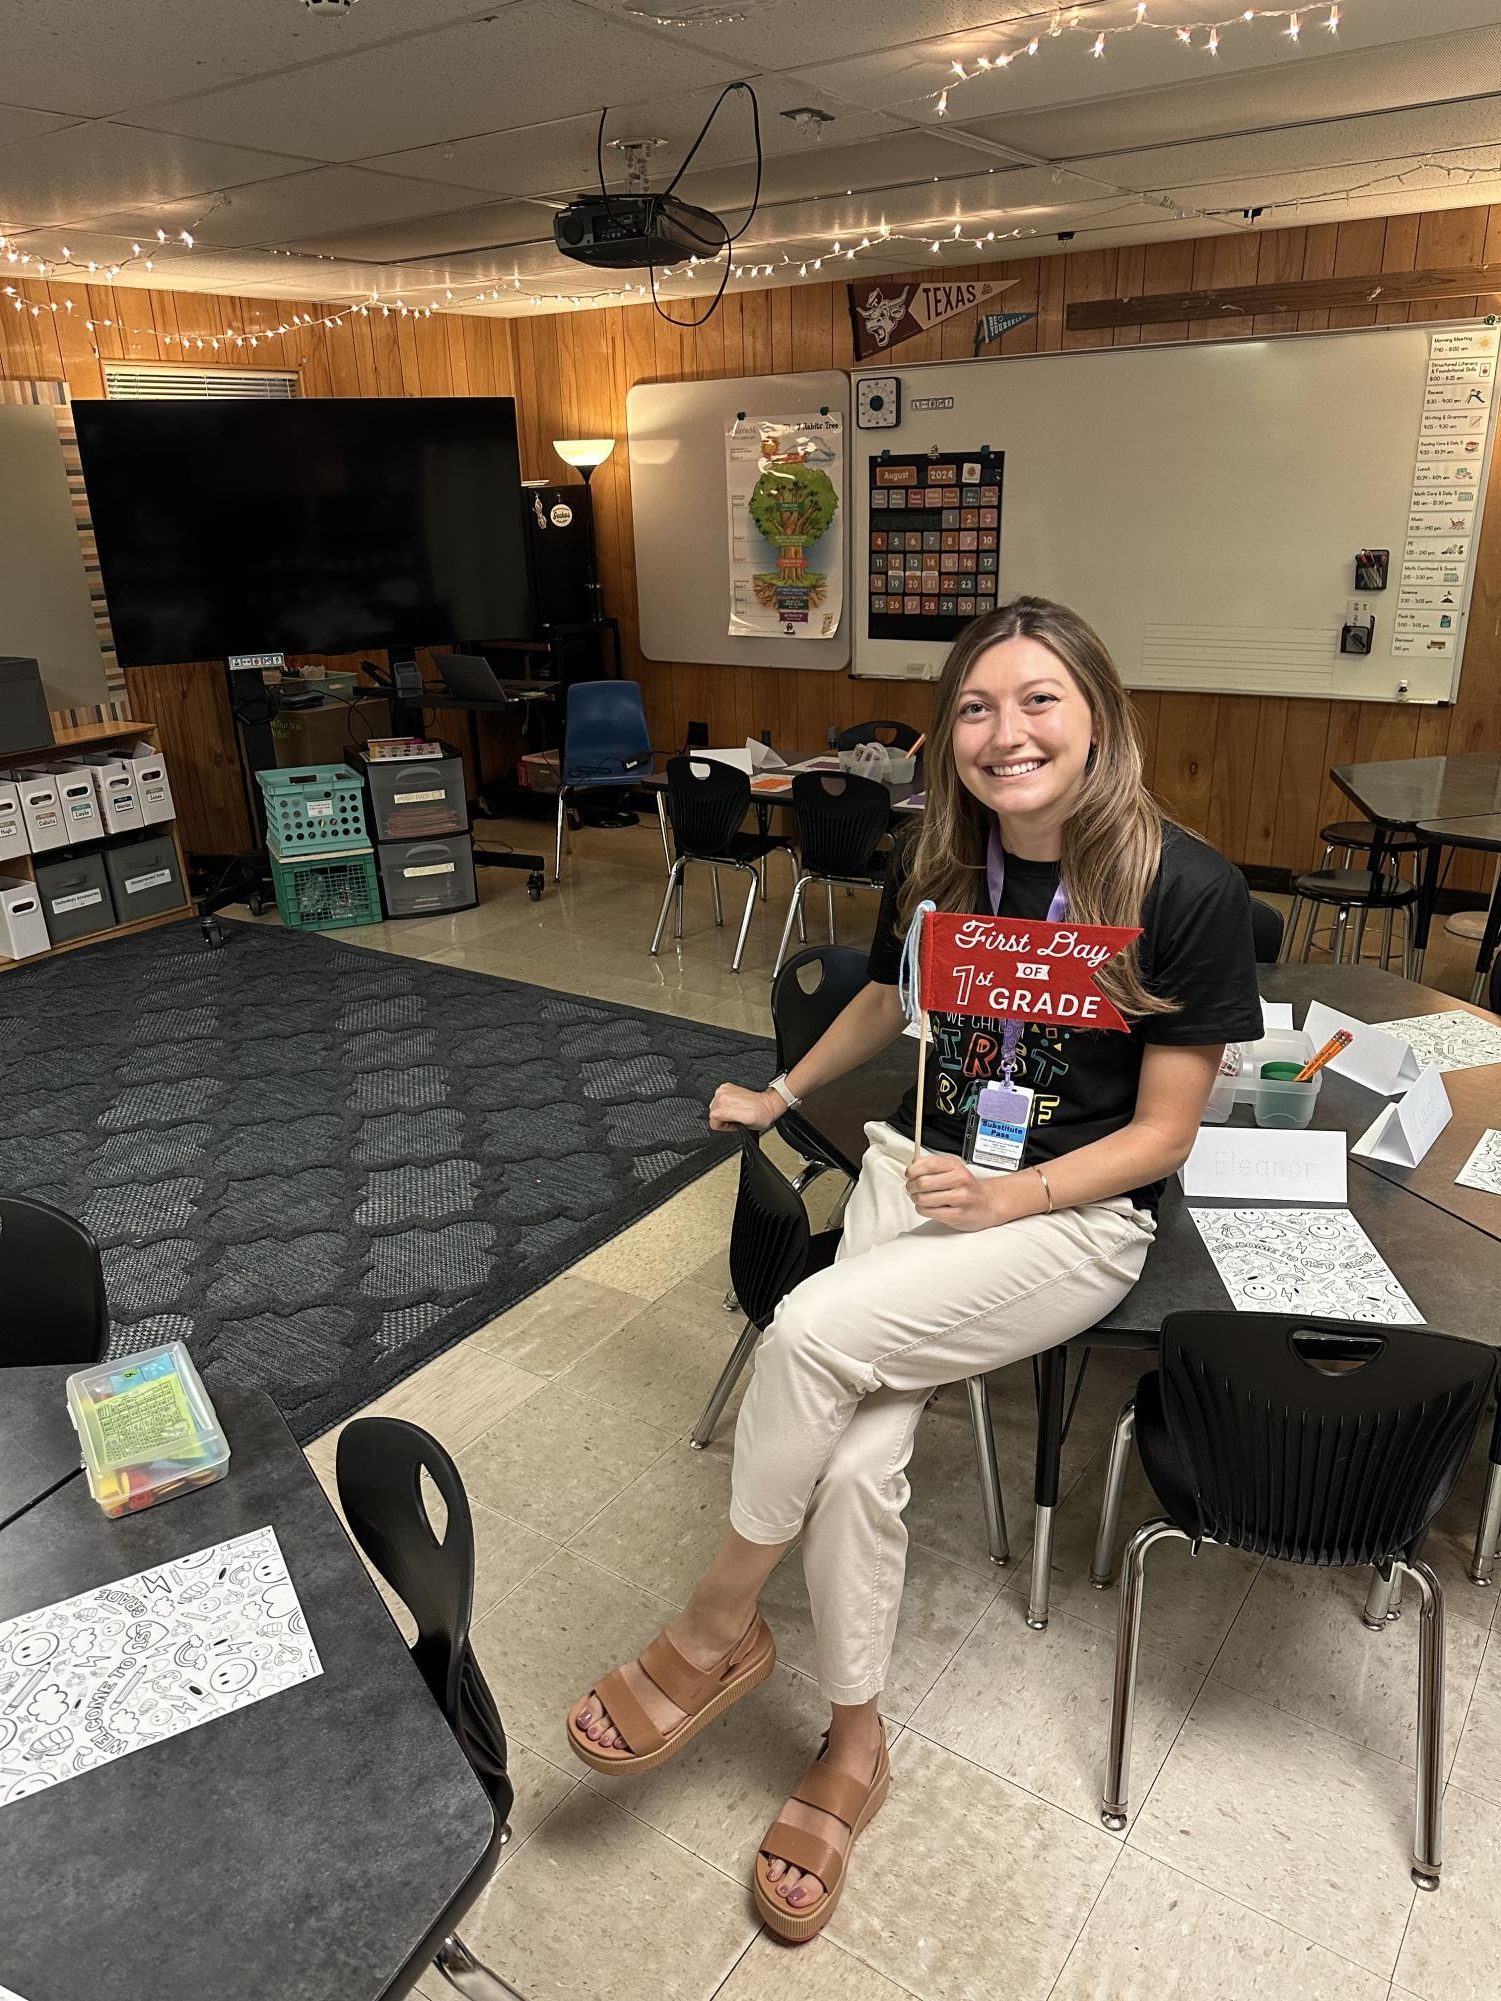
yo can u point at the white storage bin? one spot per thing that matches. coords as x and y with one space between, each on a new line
78 802
41 810
115 784
23 928
13 839
153 787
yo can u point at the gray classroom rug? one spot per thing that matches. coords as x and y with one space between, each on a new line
320 1165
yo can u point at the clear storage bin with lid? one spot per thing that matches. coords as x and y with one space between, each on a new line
147 1429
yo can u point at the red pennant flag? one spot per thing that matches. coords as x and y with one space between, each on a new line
1019 968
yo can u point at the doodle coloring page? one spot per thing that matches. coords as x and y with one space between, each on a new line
1452 1040
101 1675
1316 1261
1483 1168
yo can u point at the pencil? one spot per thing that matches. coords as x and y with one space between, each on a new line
1341 1039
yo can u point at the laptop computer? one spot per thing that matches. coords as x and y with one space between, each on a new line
469 677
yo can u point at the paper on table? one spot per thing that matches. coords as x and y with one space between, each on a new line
1276 1014
763 757
740 759
1452 1040
9 1994
1316 1261
1257 1165
1403 1132
1483 1168
95 1677
1376 1058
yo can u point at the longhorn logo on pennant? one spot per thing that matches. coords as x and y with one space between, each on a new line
1019 969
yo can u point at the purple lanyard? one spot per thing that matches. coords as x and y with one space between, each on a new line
995 875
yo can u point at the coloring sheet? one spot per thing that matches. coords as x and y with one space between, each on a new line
1483 1168
1316 1261
1452 1041
101 1675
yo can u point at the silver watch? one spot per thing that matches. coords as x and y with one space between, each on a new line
785 1092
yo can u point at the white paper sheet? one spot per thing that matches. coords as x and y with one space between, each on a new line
1404 1131
1483 1168
1237 1164
1378 1057
1276 1014
95 1677
1453 1040
1315 1261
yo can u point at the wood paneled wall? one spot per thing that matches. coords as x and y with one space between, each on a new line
1248 771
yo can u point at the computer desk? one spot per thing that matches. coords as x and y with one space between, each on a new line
406 720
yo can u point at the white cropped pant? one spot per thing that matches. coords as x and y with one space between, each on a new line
845 1368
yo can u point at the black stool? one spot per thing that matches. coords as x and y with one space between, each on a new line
1359 837
1344 890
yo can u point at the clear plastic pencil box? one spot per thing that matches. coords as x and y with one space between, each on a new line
146 1428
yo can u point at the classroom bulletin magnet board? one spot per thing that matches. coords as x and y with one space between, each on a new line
723 577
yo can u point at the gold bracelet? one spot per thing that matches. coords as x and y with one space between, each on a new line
1047 1189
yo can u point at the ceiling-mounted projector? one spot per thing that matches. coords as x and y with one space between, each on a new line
630 232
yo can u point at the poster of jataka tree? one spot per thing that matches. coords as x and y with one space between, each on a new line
785 480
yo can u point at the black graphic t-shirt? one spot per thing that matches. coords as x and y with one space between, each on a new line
1195 949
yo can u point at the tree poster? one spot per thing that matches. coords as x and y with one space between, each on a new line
786 486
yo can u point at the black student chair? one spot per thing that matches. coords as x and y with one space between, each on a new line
773 1248
841 821
52 1303
706 802
379 1465
1324 1442
809 992
899 737
1266 931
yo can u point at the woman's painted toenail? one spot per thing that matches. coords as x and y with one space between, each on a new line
796 1896
586 1717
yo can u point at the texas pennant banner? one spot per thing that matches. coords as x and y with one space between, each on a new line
1019 968
885 313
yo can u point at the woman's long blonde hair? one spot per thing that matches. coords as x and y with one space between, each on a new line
1112 841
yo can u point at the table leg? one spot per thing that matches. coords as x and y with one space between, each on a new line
1489 939
1427 898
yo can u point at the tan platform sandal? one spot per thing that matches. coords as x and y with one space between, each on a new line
701 1693
847 1800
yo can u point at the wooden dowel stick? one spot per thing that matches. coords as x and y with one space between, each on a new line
922 1080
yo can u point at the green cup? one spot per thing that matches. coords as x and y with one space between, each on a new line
1281 1073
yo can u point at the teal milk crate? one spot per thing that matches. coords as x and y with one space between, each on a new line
311 808
327 892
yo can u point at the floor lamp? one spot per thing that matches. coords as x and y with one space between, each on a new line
584 455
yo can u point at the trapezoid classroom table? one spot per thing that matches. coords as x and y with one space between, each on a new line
303 1847
1448 1264
1398 795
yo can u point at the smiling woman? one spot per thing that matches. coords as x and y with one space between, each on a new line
952 1263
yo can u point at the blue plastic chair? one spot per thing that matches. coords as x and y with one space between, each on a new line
605 745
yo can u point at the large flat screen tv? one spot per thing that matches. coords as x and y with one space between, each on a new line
311 526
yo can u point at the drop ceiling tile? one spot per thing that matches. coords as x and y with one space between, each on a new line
777 32
317 207
538 60
537 158
78 174
130 53
1063 73
1334 84
1310 189
453 232
1352 150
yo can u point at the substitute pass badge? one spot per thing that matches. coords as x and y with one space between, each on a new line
998 1130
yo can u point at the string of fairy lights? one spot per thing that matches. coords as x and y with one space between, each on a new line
931 238
1208 36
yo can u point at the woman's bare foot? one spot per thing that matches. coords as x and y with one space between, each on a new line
702 1638
854 1749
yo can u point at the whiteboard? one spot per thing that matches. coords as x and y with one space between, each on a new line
680 512
1200 503
46 613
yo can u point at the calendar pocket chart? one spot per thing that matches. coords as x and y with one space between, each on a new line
934 542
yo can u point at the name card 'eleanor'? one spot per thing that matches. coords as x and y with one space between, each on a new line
1019 968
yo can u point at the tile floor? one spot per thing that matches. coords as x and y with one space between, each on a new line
1272 1774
